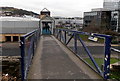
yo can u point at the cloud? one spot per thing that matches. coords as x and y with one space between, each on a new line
57 7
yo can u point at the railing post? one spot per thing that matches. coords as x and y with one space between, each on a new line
60 35
107 57
89 54
65 36
22 47
36 36
58 32
33 48
39 33
54 32
75 42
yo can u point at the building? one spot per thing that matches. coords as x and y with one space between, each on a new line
69 22
97 18
114 7
107 17
111 4
115 20
13 27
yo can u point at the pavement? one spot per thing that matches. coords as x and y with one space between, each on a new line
54 61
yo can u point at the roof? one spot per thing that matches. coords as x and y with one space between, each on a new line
100 9
46 17
8 18
45 10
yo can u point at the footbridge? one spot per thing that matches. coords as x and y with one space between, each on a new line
60 56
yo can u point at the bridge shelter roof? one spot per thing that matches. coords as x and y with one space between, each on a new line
47 18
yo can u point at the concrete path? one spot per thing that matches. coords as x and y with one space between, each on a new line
54 61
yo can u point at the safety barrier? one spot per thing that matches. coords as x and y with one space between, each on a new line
28 45
65 36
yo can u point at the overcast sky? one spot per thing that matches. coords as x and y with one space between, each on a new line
67 8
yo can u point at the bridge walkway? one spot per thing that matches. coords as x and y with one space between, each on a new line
53 60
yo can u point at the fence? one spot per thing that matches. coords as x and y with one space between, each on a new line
65 36
28 45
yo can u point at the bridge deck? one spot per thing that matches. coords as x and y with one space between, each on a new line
54 61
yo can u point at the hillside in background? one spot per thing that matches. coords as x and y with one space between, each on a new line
11 11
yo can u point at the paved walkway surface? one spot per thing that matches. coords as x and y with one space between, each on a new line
54 61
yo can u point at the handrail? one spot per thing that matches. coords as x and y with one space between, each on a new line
30 33
28 44
61 35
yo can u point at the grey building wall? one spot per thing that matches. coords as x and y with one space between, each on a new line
18 26
111 4
97 19
92 17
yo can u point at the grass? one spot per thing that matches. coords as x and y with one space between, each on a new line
99 61
115 75
84 37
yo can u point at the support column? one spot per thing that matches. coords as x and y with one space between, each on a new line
41 26
11 38
75 43
107 58
19 38
52 27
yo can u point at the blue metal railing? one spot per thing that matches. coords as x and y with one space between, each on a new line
61 34
28 45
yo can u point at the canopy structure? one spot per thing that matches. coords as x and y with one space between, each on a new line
47 23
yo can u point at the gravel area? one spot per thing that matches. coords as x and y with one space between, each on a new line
10 54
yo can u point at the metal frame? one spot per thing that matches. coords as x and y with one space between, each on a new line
61 35
49 20
34 35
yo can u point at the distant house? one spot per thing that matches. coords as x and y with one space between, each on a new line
6 13
68 22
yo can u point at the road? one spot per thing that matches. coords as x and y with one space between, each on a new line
10 49
97 51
